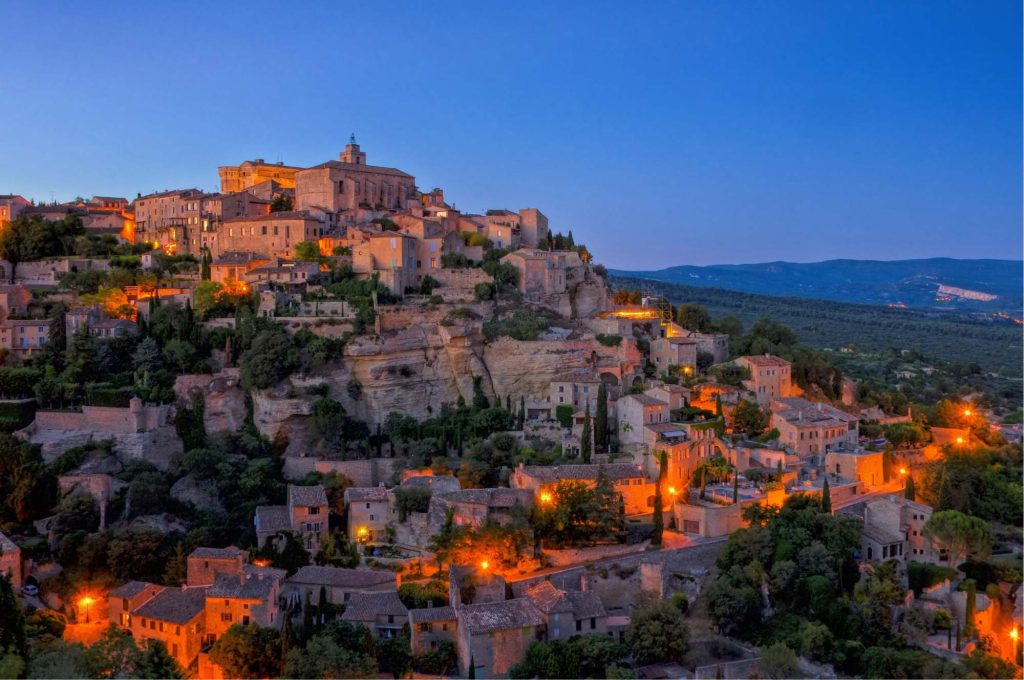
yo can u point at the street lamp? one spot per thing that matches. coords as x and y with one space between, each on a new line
545 497
87 603
484 565
967 412
959 440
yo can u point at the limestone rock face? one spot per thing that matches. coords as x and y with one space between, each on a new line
201 494
224 400
588 298
276 416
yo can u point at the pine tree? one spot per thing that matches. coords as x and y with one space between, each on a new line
826 498
601 420
909 490
586 447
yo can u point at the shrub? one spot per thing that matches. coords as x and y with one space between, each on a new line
483 291
609 340
522 324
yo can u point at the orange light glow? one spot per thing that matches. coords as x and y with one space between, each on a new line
234 287
485 565
687 370
85 601
1014 634
634 314
261 563
672 491
903 471
959 440
967 412
545 497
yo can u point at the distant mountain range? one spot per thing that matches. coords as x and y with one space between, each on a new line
991 286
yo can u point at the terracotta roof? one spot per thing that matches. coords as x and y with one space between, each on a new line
273 518
366 493
306 495
175 605
765 360
131 589
549 599
591 471
491 616
368 606
342 578
432 614
229 552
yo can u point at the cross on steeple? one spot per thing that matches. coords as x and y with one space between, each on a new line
352 138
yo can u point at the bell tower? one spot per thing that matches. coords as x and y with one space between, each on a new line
352 154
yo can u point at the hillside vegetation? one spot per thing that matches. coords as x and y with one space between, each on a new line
994 346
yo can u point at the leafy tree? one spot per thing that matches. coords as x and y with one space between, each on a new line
749 418
155 662
13 642
962 536
657 633
693 317
113 656
563 414
779 661
393 655
307 251
269 361
281 203
248 652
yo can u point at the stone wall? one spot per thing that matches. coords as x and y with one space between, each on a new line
365 473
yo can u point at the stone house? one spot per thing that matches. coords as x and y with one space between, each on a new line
892 515
235 178
627 478
575 388
287 273
368 512
251 596
770 377
306 515
430 626
634 411
382 612
339 585
495 635
232 265
175 616
172 219
11 206
125 599
674 351
10 561
568 612
475 507
391 255
205 564
813 428
863 466
272 235
676 396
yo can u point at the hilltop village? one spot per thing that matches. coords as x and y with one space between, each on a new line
322 423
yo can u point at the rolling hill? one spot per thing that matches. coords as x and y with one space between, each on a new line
985 286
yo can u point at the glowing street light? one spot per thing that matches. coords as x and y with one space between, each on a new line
967 412
1013 634
545 497
959 440
903 471
672 491
362 534
87 603
485 565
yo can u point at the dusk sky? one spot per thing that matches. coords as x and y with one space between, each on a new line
660 133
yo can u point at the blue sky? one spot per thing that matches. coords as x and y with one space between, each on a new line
660 133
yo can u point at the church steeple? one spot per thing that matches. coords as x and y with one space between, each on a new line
352 154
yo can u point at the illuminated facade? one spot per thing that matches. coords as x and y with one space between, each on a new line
234 178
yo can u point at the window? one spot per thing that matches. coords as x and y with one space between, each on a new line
579 626
225 617
314 510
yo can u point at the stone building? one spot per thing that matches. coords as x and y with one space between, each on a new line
429 627
769 377
544 272
172 219
10 561
176 617
349 184
494 636
809 428
382 612
675 351
340 585
306 516
627 478
273 235
862 466
368 512
248 174
205 564
11 206
892 515
634 412
391 255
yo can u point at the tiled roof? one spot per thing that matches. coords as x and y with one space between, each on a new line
368 606
559 472
227 553
491 616
432 614
645 399
172 192
356 167
306 495
880 535
577 377
273 518
585 605
342 578
7 545
765 360
174 605
236 257
130 589
494 498
252 587
366 493
548 598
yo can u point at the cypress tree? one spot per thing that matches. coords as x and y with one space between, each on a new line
718 405
522 412
971 605
601 420
659 519
471 674
887 462
703 481
508 403
736 487
12 620
586 447
909 491
826 498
